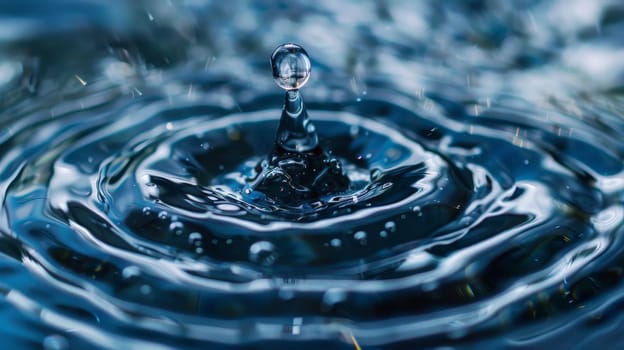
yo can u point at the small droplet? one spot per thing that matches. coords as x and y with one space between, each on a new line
360 236
375 174
55 342
147 211
130 271
263 253
163 215
390 226
383 234
145 289
176 228
291 66
336 242
195 239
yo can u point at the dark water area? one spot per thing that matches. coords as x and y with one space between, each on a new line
482 144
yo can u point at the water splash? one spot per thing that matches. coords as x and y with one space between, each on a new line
479 210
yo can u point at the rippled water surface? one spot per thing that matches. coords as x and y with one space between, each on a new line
483 142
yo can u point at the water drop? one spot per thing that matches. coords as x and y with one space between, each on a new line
390 226
262 253
145 289
147 211
383 234
336 242
163 215
291 66
195 239
55 342
354 131
130 271
375 174
360 236
176 228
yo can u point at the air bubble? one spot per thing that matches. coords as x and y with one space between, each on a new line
360 236
390 226
176 228
336 242
55 342
195 239
145 289
262 253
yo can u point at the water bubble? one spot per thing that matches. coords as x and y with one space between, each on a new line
145 289
336 242
55 342
195 239
147 211
262 253
291 66
163 215
390 226
383 234
375 174
130 271
176 227
360 236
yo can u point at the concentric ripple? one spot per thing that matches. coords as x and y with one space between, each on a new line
453 224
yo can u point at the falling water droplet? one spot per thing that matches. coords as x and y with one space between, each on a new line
263 253
291 66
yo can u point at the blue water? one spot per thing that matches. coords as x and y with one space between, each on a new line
482 142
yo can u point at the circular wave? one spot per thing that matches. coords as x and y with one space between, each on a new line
456 223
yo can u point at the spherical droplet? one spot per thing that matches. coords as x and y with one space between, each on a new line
55 342
291 66
130 271
262 253
195 239
360 236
